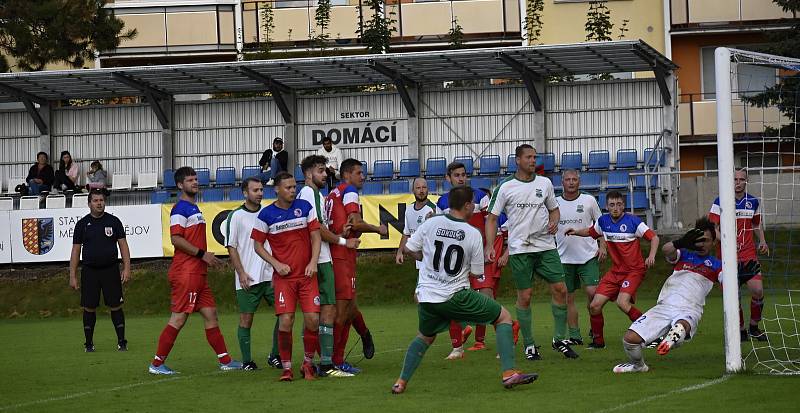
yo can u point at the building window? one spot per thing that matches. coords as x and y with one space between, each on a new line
749 79
710 164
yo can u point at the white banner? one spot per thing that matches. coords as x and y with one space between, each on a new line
355 134
45 235
5 239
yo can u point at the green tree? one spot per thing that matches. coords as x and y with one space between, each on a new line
376 32
37 33
267 27
455 37
322 16
598 22
533 20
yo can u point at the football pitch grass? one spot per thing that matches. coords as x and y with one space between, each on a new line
44 368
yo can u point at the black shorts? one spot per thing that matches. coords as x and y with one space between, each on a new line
107 279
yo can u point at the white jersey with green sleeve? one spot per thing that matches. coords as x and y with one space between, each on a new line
317 209
581 212
237 228
415 217
527 205
451 250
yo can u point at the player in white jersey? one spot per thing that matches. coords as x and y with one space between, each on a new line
579 256
683 296
253 275
451 251
529 202
416 213
313 168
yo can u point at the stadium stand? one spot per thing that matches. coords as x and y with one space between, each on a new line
269 192
469 163
365 168
235 194
156 197
372 188
490 165
249 171
298 174
601 201
591 180
446 186
409 168
6 204
639 180
511 164
659 157
29 202
480 182
599 160
121 181
203 177
626 159
557 182
399 187
436 167
147 180
168 179
226 175
571 160
383 169
55 202
212 195
80 200
12 184
433 186
617 179
639 200
548 160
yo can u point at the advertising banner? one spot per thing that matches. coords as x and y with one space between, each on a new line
5 238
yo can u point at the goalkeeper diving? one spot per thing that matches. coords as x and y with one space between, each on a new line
683 296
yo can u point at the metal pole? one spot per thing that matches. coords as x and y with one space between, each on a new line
730 291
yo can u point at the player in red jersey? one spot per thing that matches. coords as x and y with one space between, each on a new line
187 277
345 218
748 221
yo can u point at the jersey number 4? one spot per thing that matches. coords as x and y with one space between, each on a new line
448 258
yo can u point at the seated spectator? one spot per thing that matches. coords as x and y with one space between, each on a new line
334 157
273 161
66 178
40 176
96 176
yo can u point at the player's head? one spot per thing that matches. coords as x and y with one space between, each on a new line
615 203
457 174
571 180
313 167
327 143
461 200
525 156
420 189
277 144
253 190
186 180
352 172
710 235
97 201
740 180
285 186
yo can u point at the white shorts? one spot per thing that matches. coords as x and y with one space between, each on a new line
659 319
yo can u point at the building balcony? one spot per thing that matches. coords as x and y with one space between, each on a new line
725 15
697 119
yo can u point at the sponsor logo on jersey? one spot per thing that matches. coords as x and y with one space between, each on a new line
451 233
571 221
579 209
109 231
38 235
528 205
288 225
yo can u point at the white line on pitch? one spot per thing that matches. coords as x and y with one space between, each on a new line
663 395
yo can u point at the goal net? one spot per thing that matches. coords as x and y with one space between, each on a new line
757 129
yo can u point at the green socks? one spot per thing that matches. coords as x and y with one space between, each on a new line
505 346
274 352
325 344
414 354
575 332
560 320
244 343
526 325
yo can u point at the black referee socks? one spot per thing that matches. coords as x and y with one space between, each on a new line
89 320
118 318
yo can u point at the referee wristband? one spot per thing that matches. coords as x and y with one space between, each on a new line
342 241
200 253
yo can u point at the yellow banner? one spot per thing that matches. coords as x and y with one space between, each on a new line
377 210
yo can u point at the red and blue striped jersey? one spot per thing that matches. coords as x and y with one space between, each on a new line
622 237
289 234
478 219
747 218
187 221
341 202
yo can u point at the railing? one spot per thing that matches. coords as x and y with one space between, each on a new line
688 13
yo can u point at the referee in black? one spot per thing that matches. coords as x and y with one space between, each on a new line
99 234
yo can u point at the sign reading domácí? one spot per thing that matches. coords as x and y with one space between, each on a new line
356 134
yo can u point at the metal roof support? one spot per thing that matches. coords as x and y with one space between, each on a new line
401 82
529 78
28 100
661 75
159 101
276 88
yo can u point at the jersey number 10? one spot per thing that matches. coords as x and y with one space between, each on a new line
448 258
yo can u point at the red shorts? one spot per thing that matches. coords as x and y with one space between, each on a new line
491 278
290 291
344 274
614 283
190 293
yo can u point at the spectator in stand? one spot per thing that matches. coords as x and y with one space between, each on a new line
334 157
66 177
96 176
273 161
40 176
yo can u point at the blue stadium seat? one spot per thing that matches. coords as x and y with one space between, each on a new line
169 179
557 182
399 187
298 174
435 167
383 169
203 176
626 159
511 164
365 168
490 165
269 192
599 160
617 179
226 175
571 160
591 180
469 163
639 200
659 157
484 183
249 171
212 195
409 168
639 180
601 200
235 194
548 160
372 188
159 197
446 187
433 186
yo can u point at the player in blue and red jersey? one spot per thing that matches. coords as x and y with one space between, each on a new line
621 232
748 221
345 218
292 229
187 276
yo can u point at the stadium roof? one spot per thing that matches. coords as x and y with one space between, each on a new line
528 62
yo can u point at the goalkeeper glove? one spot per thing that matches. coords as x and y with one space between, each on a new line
690 240
748 270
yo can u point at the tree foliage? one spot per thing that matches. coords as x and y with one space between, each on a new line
38 33
322 17
533 20
376 32
598 25
455 37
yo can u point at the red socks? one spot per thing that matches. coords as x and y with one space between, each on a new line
456 335
341 332
756 307
285 348
310 344
165 342
634 313
217 342
359 324
480 333
597 328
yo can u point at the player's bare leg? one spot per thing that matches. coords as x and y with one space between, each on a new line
674 337
215 339
633 343
310 344
558 306
480 329
625 303
523 309
756 288
286 321
596 320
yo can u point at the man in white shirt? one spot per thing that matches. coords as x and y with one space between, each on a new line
579 256
416 213
334 157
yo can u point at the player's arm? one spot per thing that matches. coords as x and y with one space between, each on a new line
671 253
332 238
316 241
490 231
602 249
554 215
413 245
502 261
236 260
358 224
651 257
74 257
281 268
182 244
758 228
125 251
476 267
580 232
399 257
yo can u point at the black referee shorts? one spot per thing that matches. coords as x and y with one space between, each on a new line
105 279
